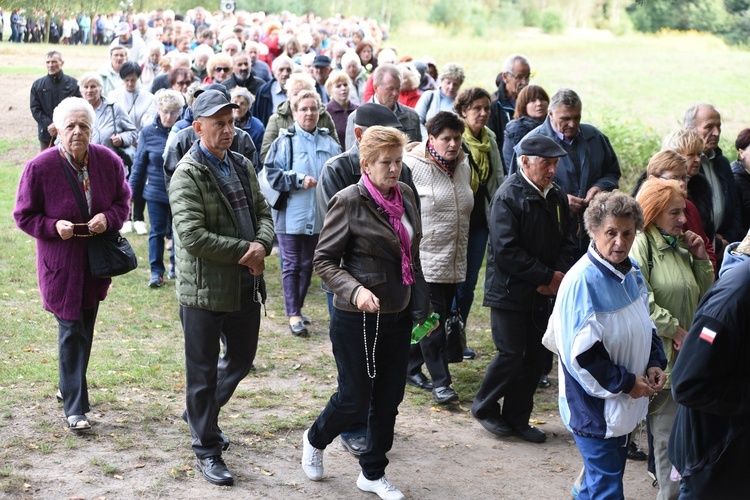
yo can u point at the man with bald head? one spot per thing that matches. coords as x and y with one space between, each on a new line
706 121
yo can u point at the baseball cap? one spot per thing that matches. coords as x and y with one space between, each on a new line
211 102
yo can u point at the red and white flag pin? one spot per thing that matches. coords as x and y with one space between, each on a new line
708 335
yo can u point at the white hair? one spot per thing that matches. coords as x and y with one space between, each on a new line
350 57
91 76
169 99
71 105
387 56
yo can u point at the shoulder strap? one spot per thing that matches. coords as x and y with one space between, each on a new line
291 151
650 261
76 191
114 122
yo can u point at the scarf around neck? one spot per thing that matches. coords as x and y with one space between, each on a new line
393 206
448 167
480 155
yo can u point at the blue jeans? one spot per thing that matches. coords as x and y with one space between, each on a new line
604 460
159 216
356 390
475 250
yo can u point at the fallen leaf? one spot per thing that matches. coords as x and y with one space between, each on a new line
265 472
117 476
139 466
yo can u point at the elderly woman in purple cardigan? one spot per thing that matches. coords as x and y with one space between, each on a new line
46 209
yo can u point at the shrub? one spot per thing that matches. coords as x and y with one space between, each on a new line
552 22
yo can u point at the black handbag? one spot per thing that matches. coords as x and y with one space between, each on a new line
109 253
420 305
455 337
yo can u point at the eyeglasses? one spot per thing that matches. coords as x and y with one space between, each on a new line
223 69
183 82
521 78
674 178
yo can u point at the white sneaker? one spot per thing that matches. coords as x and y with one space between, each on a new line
140 227
381 487
312 459
127 227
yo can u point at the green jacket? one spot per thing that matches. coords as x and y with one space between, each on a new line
283 118
206 234
676 282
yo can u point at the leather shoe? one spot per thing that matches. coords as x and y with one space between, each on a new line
419 380
224 440
544 382
215 471
305 319
496 426
531 434
299 329
356 445
444 395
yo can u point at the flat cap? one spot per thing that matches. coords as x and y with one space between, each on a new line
321 61
371 114
211 102
540 145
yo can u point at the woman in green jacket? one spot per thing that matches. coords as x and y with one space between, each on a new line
677 272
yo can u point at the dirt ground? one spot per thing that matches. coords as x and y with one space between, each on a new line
438 453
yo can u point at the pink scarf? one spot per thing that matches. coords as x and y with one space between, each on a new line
394 208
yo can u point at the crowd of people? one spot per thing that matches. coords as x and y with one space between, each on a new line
245 135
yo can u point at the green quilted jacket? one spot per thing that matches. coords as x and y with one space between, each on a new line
206 234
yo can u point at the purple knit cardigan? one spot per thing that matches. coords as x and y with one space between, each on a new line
44 197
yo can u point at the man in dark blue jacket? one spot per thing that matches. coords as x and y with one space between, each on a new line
591 165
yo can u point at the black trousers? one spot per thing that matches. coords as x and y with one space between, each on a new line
356 390
74 340
515 371
212 375
431 350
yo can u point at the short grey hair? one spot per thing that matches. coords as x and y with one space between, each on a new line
382 70
71 105
611 204
169 98
512 60
279 61
453 71
520 163
91 76
688 119
566 97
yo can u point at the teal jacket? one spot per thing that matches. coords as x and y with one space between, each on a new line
676 281
207 241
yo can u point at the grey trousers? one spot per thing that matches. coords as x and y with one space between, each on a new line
661 411
74 340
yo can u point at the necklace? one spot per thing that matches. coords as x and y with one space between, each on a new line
371 373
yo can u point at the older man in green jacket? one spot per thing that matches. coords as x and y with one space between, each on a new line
223 232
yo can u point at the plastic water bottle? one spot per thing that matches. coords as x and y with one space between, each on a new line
419 331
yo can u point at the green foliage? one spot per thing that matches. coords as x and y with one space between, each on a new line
552 22
683 15
634 143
